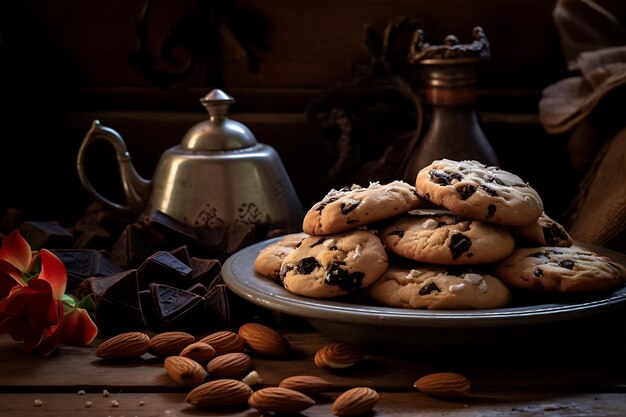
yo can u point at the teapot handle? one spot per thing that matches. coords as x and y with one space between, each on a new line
136 188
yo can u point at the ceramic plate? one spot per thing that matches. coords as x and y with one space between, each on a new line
365 322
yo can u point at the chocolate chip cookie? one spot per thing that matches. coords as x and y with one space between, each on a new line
434 287
349 208
333 265
270 258
553 268
444 238
545 231
476 191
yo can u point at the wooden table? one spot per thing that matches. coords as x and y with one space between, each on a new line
584 379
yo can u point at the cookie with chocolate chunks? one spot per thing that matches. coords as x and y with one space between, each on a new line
545 231
440 237
352 207
435 287
333 265
476 191
559 269
270 258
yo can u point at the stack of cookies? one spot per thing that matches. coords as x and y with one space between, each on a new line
461 238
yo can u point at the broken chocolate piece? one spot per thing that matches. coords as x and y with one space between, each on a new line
118 308
177 309
170 228
135 244
84 263
568 264
204 271
198 289
336 275
459 244
467 191
217 308
182 254
46 235
164 268
239 235
349 206
431 287
307 265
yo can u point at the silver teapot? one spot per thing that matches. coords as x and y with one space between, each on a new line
218 174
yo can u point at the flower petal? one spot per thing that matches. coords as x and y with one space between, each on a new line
78 328
53 271
16 251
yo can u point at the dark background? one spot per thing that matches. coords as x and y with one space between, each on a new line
64 63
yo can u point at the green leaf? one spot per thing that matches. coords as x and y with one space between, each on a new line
87 303
68 300
26 276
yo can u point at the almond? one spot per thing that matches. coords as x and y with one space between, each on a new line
124 345
229 365
444 384
169 343
280 400
184 371
219 393
199 352
306 384
355 401
264 340
337 356
224 342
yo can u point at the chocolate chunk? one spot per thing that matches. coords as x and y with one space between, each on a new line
553 234
176 309
319 242
493 179
567 264
538 273
326 202
217 311
349 206
488 190
84 263
212 239
163 268
466 191
440 177
182 254
46 235
335 275
198 289
399 233
135 244
491 210
173 230
239 235
459 244
427 289
307 265
116 296
204 271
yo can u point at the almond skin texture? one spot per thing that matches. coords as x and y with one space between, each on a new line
199 352
124 345
224 342
229 365
169 343
306 384
338 356
280 400
219 393
355 401
444 384
184 371
264 340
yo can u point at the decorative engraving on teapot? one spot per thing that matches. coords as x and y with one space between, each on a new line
208 217
251 213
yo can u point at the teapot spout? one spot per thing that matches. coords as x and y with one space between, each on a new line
136 188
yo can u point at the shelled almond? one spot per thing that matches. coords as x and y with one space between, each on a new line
184 371
280 400
355 401
338 356
306 384
444 384
124 345
264 340
219 393
199 351
229 365
169 343
224 341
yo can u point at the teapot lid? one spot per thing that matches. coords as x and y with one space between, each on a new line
219 133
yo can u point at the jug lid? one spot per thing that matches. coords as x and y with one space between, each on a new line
219 133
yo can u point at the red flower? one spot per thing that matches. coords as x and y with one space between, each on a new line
31 306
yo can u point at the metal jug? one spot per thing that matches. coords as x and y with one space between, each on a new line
218 174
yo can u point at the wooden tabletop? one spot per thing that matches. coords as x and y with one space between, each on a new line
578 379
